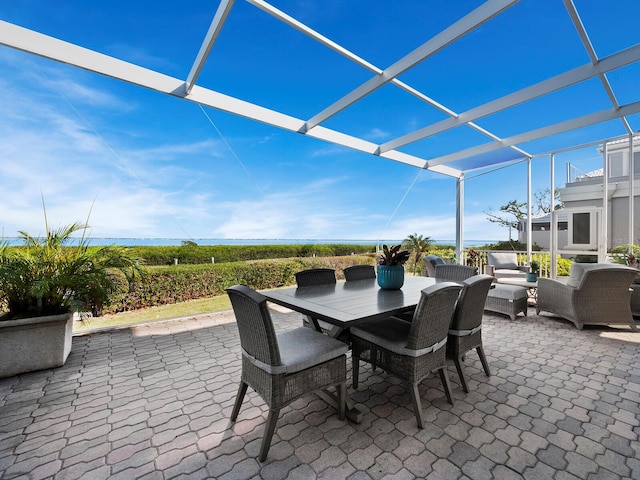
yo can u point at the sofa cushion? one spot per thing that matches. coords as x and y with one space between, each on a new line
579 269
503 260
575 275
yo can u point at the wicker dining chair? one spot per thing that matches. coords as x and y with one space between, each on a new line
359 272
410 350
282 367
454 272
465 332
315 276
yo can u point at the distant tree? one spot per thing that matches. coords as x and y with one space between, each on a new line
418 246
189 243
512 212
541 201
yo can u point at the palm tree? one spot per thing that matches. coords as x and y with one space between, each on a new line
418 246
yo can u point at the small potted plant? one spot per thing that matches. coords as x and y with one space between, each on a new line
391 267
41 284
534 267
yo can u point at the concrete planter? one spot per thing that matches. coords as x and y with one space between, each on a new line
31 344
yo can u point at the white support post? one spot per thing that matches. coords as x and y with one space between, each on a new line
529 235
631 193
603 241
459 218
554 223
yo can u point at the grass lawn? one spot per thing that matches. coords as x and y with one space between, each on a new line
163 312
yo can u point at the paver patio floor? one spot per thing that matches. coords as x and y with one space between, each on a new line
154 402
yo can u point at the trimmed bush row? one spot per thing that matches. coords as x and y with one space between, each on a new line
180 283
236 253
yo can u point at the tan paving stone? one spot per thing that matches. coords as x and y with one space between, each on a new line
156 405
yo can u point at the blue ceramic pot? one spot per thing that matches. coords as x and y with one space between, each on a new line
532 277
390 277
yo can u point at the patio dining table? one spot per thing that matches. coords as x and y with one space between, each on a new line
347 304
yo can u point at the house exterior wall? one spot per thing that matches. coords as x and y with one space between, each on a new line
588 194
586 191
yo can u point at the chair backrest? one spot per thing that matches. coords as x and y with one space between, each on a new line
610 278
359 272
578 271
430 262
257 335
315 276
432 316
470 306
503 260
455 273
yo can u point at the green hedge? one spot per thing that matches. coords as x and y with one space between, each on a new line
180 283
236 253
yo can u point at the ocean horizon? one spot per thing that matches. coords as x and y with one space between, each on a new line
171 242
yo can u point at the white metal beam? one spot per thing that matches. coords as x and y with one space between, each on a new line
212 35
304 29
571 77
477 17
586 41
42 45
568 125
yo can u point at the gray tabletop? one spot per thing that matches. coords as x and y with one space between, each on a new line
346 304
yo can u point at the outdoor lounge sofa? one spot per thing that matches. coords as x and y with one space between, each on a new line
595 294
635 296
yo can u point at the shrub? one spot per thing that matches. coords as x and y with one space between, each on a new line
190 253
179 283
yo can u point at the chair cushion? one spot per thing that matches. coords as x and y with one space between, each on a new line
391 334
503 260
508 292
507 273
302 348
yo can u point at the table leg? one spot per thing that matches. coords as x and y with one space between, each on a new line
331 398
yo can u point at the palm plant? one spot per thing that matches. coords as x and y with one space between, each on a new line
47 277
418 246
393 256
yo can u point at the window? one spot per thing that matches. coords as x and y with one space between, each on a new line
617 165
581 233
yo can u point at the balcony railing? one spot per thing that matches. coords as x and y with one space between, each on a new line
478 259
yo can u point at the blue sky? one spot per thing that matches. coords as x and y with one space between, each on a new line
150 165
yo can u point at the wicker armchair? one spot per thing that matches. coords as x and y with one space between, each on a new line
410 350
595 294
282 367
359 272
465 332
505 265
454 273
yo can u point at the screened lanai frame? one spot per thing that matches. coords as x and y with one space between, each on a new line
457 163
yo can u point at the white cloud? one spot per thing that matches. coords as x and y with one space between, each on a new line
377 134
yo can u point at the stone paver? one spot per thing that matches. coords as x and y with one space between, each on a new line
153 401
